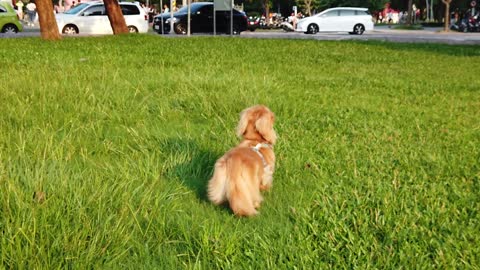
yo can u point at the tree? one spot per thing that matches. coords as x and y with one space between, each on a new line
447 14
409 13
376 4
48 23
267 4
308 5
115 16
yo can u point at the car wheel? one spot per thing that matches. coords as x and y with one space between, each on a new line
132 29
236 31
10 29
70 30
358 29
180 29
312 29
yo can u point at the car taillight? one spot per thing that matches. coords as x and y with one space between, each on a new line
146 17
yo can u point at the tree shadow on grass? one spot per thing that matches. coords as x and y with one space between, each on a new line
191 165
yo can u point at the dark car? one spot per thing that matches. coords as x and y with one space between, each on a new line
201 20
253 23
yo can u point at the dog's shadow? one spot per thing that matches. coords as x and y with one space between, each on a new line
190 164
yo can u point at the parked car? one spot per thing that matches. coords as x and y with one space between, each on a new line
9 22
253 23
91 18
201 20
341 19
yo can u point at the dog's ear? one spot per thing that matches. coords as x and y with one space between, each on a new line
264 126
243 123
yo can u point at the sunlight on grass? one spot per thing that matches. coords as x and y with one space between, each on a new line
106 145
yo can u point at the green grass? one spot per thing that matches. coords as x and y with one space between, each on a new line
378 153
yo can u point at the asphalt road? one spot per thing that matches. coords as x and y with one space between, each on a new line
383 33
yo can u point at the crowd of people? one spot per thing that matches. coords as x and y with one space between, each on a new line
392 16
152 10
26 12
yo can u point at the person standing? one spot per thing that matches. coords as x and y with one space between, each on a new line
32 13
19 5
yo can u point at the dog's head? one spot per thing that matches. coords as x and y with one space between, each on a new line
256 123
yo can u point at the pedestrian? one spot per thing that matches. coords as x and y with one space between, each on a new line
292 19
32 13
19 5
414 13
165 9
151 13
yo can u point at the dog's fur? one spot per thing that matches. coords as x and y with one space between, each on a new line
240 174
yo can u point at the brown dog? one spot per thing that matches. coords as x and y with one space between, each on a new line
243 171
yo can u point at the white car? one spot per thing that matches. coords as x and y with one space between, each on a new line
91 18
341 19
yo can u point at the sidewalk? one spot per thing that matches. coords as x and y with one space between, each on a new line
27 28
391 29
425 30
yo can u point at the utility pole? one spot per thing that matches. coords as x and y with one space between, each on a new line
172 2
189 16
231 19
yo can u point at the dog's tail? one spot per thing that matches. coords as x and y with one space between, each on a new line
218 185
239 194
228 183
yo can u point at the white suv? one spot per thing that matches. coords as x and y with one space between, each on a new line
91 18
342 19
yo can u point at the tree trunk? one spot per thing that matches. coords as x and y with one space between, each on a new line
115 16
447 15
409 14
266 7
48 23
432 18
308 7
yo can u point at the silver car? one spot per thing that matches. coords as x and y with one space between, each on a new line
91 18
341 19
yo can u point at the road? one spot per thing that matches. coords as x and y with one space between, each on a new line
383 33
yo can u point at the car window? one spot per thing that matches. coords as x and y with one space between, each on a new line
76 9
97 10
332 13
347 12
130 10
2 9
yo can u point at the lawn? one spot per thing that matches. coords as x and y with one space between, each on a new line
107 143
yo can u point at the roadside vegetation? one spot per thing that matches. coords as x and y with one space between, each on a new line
107 143
408 27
